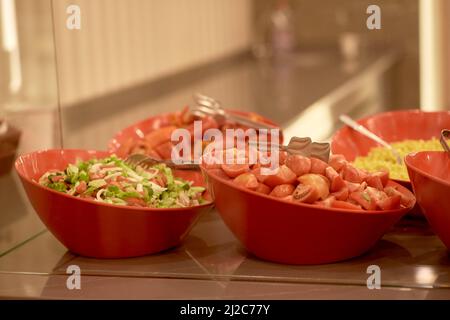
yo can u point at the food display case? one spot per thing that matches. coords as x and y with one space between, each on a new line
122 77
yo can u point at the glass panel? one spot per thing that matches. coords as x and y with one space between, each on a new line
409 257
28 108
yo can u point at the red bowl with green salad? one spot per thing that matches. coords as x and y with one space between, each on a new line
98 206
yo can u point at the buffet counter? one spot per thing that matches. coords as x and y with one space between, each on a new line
305 96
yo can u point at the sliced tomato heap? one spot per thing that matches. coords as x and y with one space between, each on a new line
336 184
157 143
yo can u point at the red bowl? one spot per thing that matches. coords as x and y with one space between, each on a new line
430 177
286 232
138 130
101 230
391 126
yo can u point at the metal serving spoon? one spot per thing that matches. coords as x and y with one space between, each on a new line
369 134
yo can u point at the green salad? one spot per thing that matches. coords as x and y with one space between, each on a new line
111 180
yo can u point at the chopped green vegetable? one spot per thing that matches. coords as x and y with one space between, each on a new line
97 183
58 186
111 180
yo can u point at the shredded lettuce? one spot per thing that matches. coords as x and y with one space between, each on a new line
111 180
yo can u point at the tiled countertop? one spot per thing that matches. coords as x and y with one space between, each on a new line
212 264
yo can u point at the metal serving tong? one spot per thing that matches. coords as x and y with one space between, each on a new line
301 146
445 134
145 161
207 106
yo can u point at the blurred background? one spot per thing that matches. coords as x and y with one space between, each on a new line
144 51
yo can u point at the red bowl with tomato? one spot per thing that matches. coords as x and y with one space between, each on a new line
152 136
391 126
306 213
430 177
97 229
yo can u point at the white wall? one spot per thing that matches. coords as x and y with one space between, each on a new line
124 42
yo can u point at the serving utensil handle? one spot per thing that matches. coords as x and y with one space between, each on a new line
364 131
445 134
248 122
361 129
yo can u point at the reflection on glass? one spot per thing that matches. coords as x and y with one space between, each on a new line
425 275
10 44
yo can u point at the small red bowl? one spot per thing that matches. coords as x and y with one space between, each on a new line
137 131
286 232
391 126
101 230
430 177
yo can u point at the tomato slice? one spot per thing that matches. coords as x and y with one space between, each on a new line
207 123
305 193
247 180
300 165
337 183
282 190
327 202
135 202
160 179
383 175
362 173
283 155
342 194
318 182
375 194
61 178
351 174
92 176
159 136
185 116
405 200
363 198
390 203
165 150
262 188
234 170
375 182
82 186
345 205
318 166
283 176
337 162
354 187
330 173
257 172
